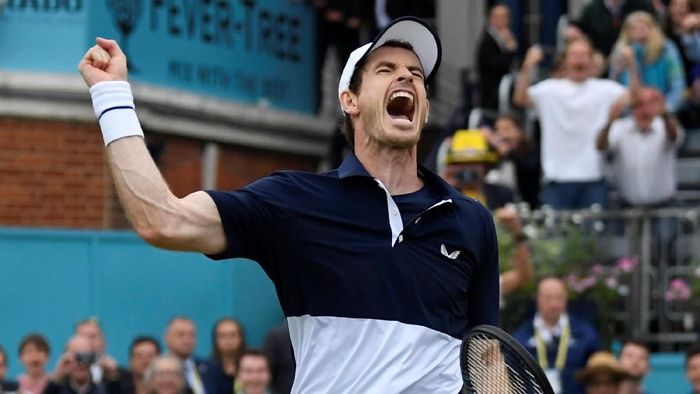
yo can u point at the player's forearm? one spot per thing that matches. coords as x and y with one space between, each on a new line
191 223
146 198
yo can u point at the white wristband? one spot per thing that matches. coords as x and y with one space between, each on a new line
114 107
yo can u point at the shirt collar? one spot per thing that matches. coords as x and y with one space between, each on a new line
548 332
351 167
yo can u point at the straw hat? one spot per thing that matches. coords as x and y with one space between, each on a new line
601 363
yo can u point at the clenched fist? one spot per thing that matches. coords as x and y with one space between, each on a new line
533 57
103 62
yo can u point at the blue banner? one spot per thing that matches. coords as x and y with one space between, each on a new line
260 52
43 35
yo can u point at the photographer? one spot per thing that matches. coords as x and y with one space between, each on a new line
72 374
464 160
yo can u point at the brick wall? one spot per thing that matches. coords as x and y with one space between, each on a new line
179 160
54 174
240 166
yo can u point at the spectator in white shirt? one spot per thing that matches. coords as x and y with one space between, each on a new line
572 109
644 145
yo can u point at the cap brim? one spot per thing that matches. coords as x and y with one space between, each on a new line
414 31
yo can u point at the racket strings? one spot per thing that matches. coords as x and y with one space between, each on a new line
494 368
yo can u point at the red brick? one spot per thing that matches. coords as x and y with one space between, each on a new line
55 173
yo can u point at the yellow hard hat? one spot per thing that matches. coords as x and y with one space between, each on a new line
470 146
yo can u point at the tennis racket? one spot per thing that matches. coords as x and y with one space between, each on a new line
493 362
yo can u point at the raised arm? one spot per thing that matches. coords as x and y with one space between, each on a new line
629 63
602 142
522 270
671 124
532 58
191 223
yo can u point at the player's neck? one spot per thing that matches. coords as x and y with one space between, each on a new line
396 168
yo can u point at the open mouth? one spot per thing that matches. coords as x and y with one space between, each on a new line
580 68
401 105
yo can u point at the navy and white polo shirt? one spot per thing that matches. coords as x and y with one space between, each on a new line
378 290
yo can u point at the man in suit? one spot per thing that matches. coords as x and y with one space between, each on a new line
495 55
560 342
202 376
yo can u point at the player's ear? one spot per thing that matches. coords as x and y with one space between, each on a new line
348 100
427 112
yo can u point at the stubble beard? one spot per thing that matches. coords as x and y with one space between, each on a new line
382 135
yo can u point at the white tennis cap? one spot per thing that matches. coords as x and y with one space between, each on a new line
408 29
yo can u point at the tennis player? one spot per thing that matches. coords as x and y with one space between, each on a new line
380 266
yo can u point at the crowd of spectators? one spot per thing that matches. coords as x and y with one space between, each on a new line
569 350
625 80
84 366
608 109
567 347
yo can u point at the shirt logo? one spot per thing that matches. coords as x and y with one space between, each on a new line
452 255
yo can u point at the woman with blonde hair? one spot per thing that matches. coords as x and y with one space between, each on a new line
657 58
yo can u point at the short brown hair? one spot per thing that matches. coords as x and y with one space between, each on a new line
346 126
37 340
577 40
637 343
143 339
255 353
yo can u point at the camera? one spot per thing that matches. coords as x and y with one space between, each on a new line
467 176
85 358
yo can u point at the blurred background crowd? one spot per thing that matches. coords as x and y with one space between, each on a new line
579 130
84 365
